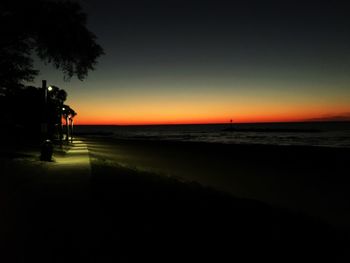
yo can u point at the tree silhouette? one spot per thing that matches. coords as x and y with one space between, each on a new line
21 112
24 110
54 30
55 99
68 114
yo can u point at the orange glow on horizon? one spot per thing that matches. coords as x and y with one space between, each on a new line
205 109
265 119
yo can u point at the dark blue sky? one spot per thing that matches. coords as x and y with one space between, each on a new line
257 53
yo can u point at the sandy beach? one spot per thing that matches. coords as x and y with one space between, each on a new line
174 131
310 180
171 201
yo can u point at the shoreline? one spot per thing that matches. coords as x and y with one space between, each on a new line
127 205
306 179
335 134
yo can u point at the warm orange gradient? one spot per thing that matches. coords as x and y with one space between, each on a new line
205 99
205 111
258 67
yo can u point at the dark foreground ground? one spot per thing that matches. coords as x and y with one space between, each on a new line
311 180
124 214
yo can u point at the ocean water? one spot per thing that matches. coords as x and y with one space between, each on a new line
329 134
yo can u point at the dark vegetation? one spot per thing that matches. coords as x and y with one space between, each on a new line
24 110
56 32
53 30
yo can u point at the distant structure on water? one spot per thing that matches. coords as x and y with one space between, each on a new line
231 124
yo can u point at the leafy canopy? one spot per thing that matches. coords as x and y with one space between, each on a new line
55 30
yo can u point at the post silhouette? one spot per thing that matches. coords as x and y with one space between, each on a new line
45 113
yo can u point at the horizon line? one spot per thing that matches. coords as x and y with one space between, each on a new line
218 123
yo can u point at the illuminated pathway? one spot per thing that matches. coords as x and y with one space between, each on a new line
73 166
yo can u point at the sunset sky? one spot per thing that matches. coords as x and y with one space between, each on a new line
209 61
